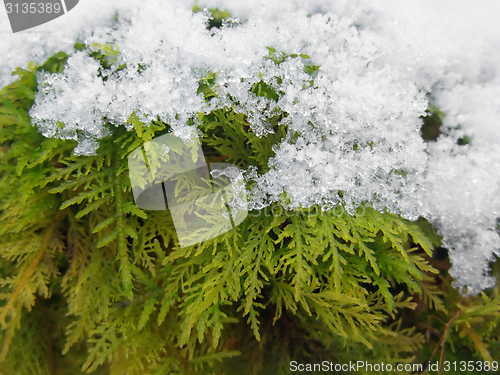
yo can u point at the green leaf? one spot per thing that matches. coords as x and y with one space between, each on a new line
149 307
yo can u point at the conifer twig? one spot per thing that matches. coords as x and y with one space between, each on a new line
22 284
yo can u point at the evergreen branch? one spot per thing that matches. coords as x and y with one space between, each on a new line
122 230
13 306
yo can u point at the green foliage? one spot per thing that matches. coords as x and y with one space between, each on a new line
464 328
92 283
217 16
432 121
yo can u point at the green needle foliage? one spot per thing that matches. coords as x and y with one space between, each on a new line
91 283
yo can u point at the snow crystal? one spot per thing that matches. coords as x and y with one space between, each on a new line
353 125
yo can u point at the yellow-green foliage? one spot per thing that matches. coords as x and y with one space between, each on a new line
90 282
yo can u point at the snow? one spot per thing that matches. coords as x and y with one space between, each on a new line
357 129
